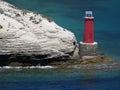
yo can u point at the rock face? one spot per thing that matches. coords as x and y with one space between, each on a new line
24 33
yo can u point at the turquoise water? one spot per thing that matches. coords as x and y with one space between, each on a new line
69 14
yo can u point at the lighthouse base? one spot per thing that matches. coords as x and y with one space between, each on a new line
88 50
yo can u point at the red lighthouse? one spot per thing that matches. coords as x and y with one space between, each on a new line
88 27
88 47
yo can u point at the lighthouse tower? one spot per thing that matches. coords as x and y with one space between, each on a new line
88 47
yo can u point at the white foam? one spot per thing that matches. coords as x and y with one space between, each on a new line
27 67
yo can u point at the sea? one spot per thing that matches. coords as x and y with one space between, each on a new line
69 14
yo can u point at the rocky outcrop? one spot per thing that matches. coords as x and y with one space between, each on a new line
27 35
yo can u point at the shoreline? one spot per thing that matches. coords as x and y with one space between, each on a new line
91 66
100 62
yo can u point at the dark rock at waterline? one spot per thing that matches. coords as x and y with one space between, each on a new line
24 60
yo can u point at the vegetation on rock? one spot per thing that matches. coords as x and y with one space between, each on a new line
96 60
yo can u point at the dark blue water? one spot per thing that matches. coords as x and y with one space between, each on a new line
60 80
69 14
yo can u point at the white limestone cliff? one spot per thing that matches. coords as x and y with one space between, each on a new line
26 33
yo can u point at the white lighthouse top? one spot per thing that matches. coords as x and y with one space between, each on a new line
88 14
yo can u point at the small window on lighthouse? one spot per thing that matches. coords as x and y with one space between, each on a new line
88 13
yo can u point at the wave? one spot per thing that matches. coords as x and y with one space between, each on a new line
97 66
27 67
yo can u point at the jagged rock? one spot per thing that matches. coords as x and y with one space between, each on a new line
24 33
